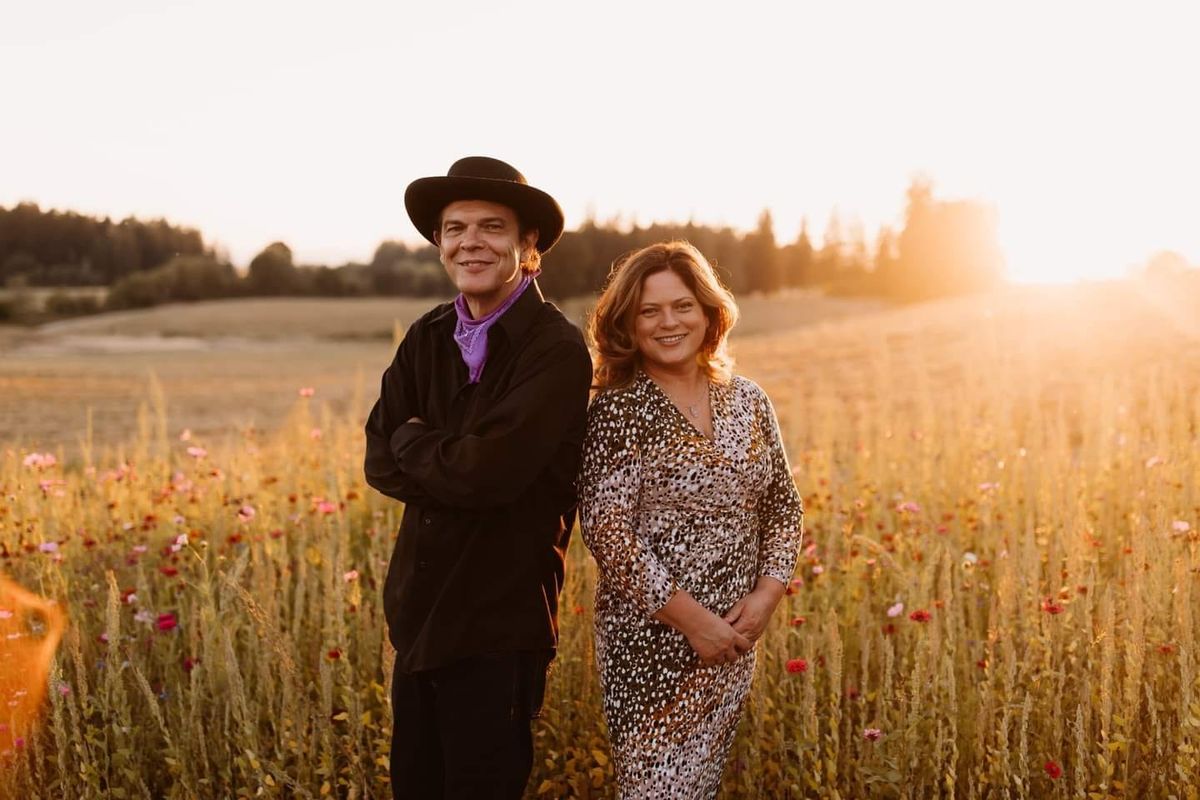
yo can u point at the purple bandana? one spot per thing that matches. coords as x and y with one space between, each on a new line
471 335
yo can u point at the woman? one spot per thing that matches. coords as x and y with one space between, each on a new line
689 508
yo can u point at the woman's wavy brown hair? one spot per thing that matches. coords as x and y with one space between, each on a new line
612 323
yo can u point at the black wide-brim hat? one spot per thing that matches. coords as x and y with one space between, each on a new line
483 178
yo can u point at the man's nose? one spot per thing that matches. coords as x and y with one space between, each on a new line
471 237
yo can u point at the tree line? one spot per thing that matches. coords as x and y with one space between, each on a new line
943 248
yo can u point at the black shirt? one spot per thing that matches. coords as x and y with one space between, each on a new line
487 482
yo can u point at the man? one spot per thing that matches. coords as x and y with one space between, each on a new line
478 430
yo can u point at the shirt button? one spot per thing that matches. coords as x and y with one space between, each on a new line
428 520
422 565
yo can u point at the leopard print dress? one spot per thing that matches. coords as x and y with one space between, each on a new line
662 508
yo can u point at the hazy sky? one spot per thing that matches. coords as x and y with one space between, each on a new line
303 122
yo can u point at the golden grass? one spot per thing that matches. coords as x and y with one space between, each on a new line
1023 468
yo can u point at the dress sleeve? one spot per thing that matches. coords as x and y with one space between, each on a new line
780 510
609 493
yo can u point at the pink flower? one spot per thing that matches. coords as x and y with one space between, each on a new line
352 575
48 547
246 513
797 665
166 622
896 610
817 569
872 734
40 460
909 507
1179 526
197 452
326 507
307 391
64 689
315 434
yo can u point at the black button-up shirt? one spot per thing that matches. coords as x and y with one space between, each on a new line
487 480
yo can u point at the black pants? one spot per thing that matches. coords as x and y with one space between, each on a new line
463 730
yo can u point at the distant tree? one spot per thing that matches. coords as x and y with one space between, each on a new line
796 259
828 261
1166 264
946 248
886 262
761 257
272 272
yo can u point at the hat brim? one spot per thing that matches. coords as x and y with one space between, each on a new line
425 199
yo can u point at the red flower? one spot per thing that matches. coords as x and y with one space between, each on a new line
1051 607
797 665
889 629
170 572
334 654
1053 770
1166 649
797 622
166 622
190 663
920 615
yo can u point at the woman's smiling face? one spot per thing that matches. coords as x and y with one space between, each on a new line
670 324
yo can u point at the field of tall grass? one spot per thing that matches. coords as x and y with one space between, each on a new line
998 596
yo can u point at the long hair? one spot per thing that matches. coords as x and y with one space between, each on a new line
611 327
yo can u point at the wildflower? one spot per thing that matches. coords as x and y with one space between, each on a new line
872 734
969 560
578 609
190 663
40 460
168 570
1179 526
982 663
817 569
1053 770
797 622
129 597
166 622
140 548
307 391
246 513
5 613
326 507
1154 461
896 610
64 689
197 452
909 507
1051 607
334 654
797 665
179 542
145 617
920 615
350 576
988 487
1166 649
315 434
48 547
889 629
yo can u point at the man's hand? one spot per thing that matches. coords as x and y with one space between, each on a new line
749 616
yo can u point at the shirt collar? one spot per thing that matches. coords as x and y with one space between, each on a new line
516 321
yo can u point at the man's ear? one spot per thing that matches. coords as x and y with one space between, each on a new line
529 239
